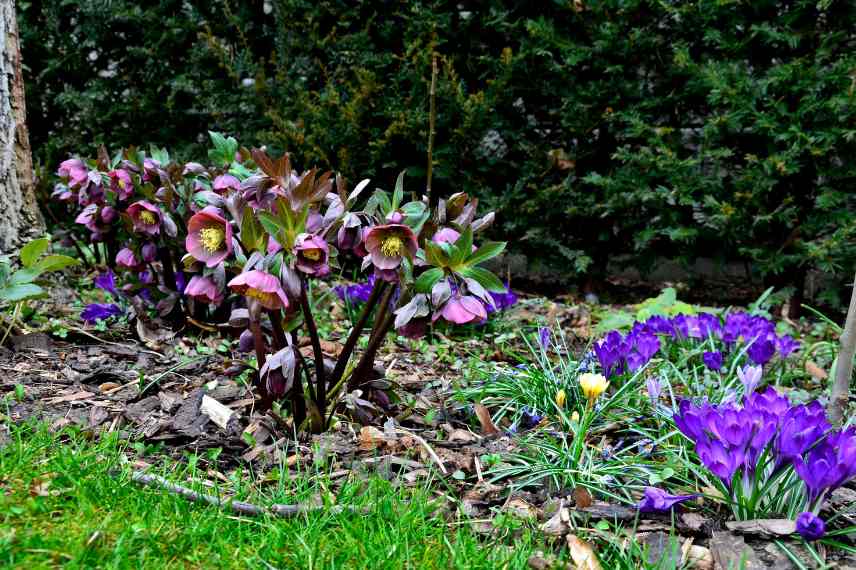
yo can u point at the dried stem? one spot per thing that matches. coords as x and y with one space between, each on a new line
432 122
320 381
840 389
351 342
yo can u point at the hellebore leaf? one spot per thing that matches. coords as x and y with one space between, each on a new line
31 252
485 278
463 247
20 292
398 193
426 281
488 250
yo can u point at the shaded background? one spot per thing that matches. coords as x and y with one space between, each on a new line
604 133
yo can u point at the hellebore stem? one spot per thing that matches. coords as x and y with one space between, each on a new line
279 341
320 381
261 358
169 280
367 359
351 342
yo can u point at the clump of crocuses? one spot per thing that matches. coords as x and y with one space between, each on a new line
771 456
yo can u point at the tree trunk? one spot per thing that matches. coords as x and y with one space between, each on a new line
20 218
839 395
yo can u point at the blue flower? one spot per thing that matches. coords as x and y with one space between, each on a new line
100 311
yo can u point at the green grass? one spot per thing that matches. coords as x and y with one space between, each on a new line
92 516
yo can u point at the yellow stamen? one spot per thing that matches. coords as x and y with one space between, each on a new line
266 299
212 238
392 246
148 218
312 254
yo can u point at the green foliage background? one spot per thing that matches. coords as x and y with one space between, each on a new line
654 128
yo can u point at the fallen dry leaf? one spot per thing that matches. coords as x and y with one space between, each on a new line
582 553
764 527
70 397
487 425
582 497
815 370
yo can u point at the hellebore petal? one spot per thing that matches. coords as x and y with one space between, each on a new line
203 288
261 286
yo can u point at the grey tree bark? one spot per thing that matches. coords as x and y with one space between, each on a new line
20 218
840 390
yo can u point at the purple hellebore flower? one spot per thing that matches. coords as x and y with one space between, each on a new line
278 371
146 217
121 183
99 311
312 254
149 252
810 526
389 244
350 233
246 343
209 237
203 288
74 171
713 360
226 183
127 258
261 286
750 377
659 501
107 282
461 309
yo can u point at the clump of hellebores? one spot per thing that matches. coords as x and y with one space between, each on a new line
249 235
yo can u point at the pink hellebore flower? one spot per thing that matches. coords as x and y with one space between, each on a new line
146 217
226 183
312 254
261 286
447 235
74 171
388 244
462 309
121 183
126 258
209 236
204 289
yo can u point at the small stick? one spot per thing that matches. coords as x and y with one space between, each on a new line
840 390
239 507
432 120
427 447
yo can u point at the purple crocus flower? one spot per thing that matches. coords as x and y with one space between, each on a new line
655 388
356 293
107 282
750 377
544 338
829 464
801 428
713 360
810 526
761 351
99 311
786 345
659 501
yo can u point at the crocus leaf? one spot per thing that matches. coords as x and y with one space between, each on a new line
31 252
488 250
484 277
398 193
427 280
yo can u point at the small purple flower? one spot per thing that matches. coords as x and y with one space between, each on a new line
126 258
761 351
658 501
750 376
146 217
203 288
106 282
713 360
786 345
544 338
810 526
226 183
99 311
312 253
655 388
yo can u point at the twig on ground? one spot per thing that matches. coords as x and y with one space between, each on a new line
239 507
427 447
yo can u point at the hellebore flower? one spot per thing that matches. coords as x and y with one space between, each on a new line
713 360
810 526
389 244
146 217
312 253
462 309
127 258
246 341
74 171
121 183
593 385
203 288
226 183
659 501
261 286
149 252
750 377
350 233
209 236
446 235
278 371
99 311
